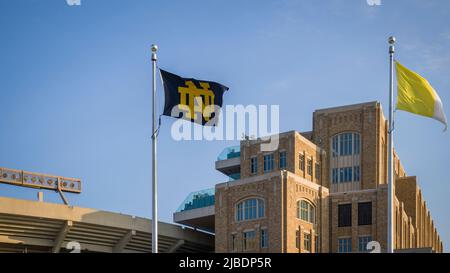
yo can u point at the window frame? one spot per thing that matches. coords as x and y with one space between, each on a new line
347 246
346 143
248 243
253 165
264 238
283 159
309 164
364 240
308 213
246 210
302 161
365 214
342 220
268 161
307 241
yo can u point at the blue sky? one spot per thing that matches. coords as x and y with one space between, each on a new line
75 86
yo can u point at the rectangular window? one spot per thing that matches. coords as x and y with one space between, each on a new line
239 212
335 175
356 173
341 174
233 242
302 162
345 245
317 171
264 242
345 174
250 209
345 143
365 213
335 145
282 160
345 215
249 240
310 166
362 243
307 241
304 211
268 163
348 177
261 212
254 165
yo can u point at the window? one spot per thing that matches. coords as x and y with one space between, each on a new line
307 241
233 242
254 165
250 209
317 169
302 162
264 242
346 144
356 173
347 174
344 175
335 146
268 163
310 167
282 160
362 243
345 215
335 175
346 169
365 213
249 240
305 211
345 245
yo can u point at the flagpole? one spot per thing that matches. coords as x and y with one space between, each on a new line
154 173
390 227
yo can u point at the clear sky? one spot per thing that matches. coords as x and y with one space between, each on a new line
75 86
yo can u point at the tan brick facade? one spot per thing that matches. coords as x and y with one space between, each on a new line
314 172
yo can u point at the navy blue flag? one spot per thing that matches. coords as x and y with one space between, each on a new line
195 100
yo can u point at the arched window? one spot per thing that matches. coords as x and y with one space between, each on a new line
250 209
305 211
346 144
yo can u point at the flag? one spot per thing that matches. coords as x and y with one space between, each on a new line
198 101
417 96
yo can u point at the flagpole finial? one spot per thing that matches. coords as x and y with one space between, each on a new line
391 41
154 48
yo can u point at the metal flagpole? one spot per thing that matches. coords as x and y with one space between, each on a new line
154 177
390 227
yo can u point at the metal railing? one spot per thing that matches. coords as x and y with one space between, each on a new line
230 152
198 199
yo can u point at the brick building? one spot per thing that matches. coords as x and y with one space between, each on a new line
321 191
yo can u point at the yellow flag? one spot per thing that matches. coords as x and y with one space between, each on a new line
417 96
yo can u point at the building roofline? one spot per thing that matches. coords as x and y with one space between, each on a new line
346 107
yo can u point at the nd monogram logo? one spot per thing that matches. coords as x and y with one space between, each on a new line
195 100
